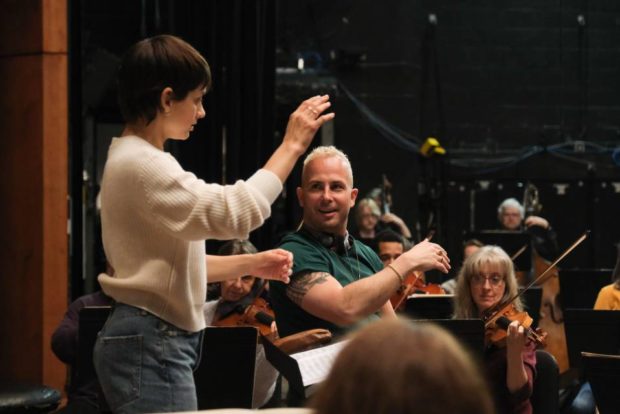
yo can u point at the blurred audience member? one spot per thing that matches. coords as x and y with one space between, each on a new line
397 366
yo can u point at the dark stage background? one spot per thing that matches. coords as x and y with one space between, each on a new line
515 91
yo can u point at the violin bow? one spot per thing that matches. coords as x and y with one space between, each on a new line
497 310
258 295
518 252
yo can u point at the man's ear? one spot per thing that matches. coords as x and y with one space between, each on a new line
354 193
300 192
166 99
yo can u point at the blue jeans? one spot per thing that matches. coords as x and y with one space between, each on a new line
584 401
145 364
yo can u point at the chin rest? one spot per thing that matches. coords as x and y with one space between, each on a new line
27 398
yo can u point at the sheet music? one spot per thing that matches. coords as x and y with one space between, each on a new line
315 364
430 295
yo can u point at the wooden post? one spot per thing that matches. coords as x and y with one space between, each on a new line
33 187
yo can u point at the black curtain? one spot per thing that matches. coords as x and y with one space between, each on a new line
238 40
237 136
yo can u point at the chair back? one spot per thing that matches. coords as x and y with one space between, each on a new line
225 373
579 287
603 373
545 397
26 398
590 330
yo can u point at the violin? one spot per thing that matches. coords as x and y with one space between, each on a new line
497 318
496 327
257 314
414 284
427 288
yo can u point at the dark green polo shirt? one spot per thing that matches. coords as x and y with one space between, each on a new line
310 255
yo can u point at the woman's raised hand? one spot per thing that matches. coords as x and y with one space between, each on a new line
305 122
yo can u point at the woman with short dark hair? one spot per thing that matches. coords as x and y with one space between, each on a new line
155 218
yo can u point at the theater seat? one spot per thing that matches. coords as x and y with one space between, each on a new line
603 373
546 393
27 398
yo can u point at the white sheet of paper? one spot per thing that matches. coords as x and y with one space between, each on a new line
315 364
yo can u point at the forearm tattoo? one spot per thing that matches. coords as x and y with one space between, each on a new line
300 285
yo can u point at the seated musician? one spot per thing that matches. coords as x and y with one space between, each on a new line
390 246
470 247
608 299
83 392
370 222
486 279
235 296
609 296
511 216
337 281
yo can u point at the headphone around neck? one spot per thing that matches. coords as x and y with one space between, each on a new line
339 244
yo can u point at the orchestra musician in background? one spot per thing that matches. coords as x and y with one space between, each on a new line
511 215
608 298
470 247
486 279
390 246
236 295
370 222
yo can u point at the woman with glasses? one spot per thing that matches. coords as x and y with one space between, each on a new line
486 279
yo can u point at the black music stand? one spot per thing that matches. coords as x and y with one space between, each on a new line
603 373
225 374
90 321
469 332
579 287
429 306
511 242
531 300
291 368
590 330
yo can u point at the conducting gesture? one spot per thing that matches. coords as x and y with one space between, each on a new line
300 130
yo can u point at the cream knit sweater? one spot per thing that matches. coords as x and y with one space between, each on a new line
155 218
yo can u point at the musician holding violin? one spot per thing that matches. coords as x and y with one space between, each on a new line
237 295
244 302
370 221
390 246
487 279
512 216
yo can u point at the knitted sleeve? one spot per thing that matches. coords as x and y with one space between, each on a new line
192 209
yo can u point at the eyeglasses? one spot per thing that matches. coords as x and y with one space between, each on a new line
479 280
